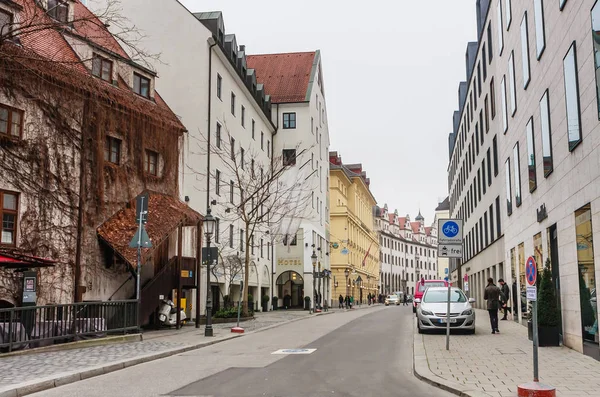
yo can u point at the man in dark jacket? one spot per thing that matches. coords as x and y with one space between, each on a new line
505 298
492 295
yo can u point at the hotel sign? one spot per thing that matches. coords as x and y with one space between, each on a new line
289 262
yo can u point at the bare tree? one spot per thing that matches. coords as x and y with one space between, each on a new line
229 266
262 196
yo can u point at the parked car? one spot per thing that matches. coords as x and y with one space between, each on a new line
422 286
392 300
433 308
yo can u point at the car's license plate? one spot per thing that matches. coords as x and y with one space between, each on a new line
443 320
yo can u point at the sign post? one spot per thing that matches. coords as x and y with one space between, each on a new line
531 272
535 388
140 240
450 243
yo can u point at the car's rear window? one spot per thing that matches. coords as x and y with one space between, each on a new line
392 297
431 284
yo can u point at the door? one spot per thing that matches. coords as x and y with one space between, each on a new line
553 248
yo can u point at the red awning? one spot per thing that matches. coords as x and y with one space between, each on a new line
14 259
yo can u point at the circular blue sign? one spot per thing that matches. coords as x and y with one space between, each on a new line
531 271
450 229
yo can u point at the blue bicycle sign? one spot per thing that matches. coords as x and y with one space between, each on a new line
450 229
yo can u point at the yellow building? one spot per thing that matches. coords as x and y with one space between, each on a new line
354 244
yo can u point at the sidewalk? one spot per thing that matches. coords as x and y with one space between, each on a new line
494 365
28 373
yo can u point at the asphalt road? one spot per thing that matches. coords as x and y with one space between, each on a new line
357 354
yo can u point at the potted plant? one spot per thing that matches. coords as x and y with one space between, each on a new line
275 302
307 303
548 315
265 303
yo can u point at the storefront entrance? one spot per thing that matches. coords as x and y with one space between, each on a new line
290 289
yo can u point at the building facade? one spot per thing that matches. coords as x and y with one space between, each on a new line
295 84
355 247
408 251
228 149
538 89
82 133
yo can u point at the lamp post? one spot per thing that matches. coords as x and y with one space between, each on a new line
313 259
347 273
209 223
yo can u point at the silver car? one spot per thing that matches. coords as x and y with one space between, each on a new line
432 310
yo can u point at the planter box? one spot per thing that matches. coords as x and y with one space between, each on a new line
547 336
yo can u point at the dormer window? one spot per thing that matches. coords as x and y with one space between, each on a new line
6 21
141 85
58 10
102 68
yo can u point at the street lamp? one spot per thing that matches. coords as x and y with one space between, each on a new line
209 224
313 259
347 273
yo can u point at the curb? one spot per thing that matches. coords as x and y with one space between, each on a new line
38 385
422 371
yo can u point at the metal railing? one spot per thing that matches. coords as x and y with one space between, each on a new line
38 326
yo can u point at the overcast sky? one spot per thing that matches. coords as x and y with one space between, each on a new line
391 73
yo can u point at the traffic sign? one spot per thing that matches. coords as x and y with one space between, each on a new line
466 286
446 270
531 271
450 251
141 207
450 231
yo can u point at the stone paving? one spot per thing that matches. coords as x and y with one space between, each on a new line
29 367
494 365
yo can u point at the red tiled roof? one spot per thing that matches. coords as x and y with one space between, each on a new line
428 231
90 27
402 222
285 76
42 42
165 213
415 226
392 216
40 38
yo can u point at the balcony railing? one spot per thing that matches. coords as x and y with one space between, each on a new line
38 326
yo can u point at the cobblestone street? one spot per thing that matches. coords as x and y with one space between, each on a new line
494 365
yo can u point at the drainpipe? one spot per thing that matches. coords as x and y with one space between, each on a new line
77 291
272 238
212 43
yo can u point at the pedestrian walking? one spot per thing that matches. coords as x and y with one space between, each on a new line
404 300
347 301
341 301
351 301
505 295
492 295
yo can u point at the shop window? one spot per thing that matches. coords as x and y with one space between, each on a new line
587 277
